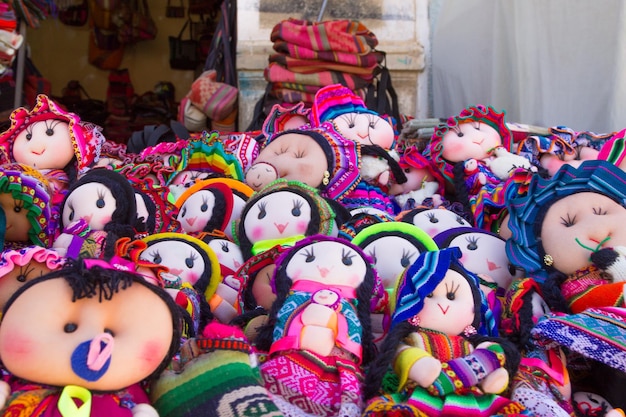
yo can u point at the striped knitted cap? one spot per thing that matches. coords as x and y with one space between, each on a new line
334 100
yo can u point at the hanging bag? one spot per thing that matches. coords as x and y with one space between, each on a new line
134 23
175 10
184 54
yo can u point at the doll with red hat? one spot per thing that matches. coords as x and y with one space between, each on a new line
473 152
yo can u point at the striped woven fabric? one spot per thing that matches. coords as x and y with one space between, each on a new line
275 72
360 60
333 35
308 66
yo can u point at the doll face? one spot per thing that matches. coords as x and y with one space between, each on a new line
47 338
470 140
91 201
391 254
365 128
228 254
416 179
260 174
182 259
18 276
578 224
450 307
17 224
44 145
197 211
483 253
327 262
280 214
295 157
435 221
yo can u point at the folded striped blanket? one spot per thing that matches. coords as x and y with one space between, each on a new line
275 72
358 60
309 66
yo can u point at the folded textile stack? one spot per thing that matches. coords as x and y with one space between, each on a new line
310 55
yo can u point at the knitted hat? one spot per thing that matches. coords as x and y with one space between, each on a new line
334 100
424 275
86 137
526 212
361 220
480 113
279 116
27 185
343 157
208 155
412 158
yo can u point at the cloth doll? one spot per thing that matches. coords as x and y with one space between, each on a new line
154 211
53 141
568 232
90 337
281 118
25 201
423 181
21 265
435 220
318 157
542 382
205 207
441 355
224 301
350 117
98 209
193 273
282 213
393 246
241 194
318 328
473 152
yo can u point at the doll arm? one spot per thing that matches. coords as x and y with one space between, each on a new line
144 410
613 261
319 329
415 364
5 391
504 162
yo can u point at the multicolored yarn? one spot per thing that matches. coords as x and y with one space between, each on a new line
334 100
279 115
86 138
365 194
208 154
484 114
614 150
11 258
591 287
596 333
527 211
28 185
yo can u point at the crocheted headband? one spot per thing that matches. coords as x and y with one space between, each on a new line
87 138
614 150
208 155
424 275
343 157
526 212
361 220
212 275
279 116
27 185
334 100
484 114
11 258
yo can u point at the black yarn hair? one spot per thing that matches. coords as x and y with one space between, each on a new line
312 228
219 214
147 225
283 284
104 284
460 189
394 166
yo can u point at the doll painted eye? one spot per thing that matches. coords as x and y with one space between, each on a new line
70 327
183 212
569 221
262 212
450 292
372 255
295 211
512 269
430 295
72 214
432 218
109 331
346 258
18 205
299 155
406 259
407 170
225 247
204 207
49 131
309 256
459 220
599 211
100 201
472 243
156 257
372 121
190 260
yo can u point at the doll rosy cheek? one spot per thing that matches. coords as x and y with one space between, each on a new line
192 278
257 233
151 354
301 226
16 346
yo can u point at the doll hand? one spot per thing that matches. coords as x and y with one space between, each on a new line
318 315
613 261
496 382
425 371
5 391
144 410
62 242
317 339
504 162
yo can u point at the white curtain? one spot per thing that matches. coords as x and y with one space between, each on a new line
545 62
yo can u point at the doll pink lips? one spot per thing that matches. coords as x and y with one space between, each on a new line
323 271
191 220
492 265
444 311
38 153
281 227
